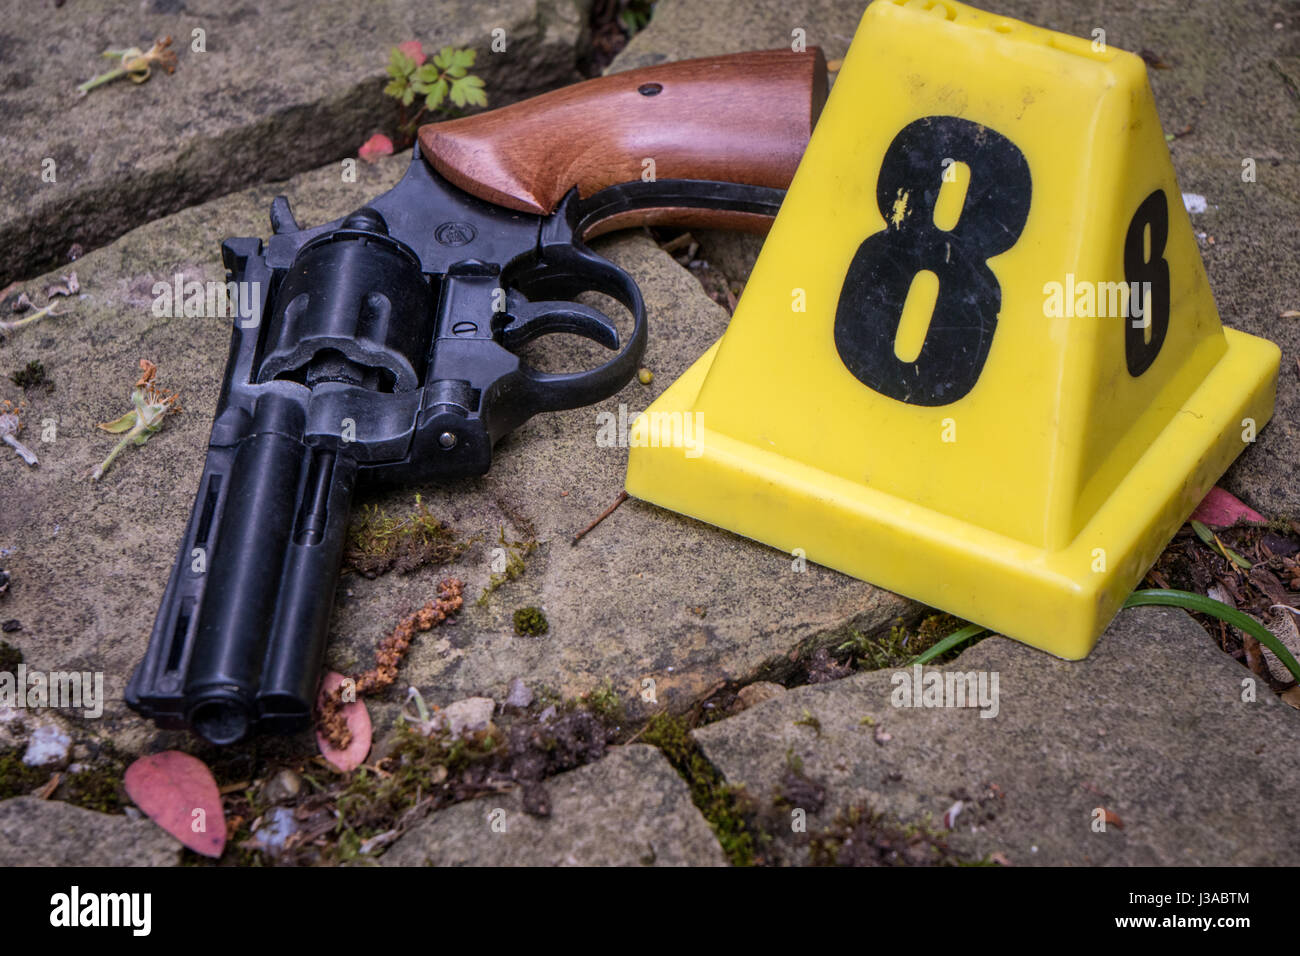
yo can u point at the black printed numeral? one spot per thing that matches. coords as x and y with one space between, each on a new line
1148 279
965 314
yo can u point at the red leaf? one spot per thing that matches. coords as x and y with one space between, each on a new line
358 718
376 146
172 788
414 50
1222 510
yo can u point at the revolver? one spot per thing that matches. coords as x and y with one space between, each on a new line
383 347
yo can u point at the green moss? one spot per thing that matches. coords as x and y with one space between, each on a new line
99 788
16 778
605 703
379 542
860 836
723 806
371 802
515 552
32 375
808 720
10 657
877 651
530 622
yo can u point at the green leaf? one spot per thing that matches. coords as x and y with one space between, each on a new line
1232 556
437 93
395 88
399 64
464 58
468 92
408 97
948 643
444 58
1229 615
427 74
456 71
125 423
1212 539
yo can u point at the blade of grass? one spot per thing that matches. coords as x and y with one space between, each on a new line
948 643
1229 615
1212 539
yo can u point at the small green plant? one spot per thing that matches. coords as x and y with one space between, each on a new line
444 83
605 703
379 542
1229 615
530 622
723 806
952 641
134 63
808 720
634 15
900 647
12 325
515 552
32 375
16 778
1212 539
145 420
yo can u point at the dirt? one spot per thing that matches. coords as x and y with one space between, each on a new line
862 837
612 24
1273 579
410 776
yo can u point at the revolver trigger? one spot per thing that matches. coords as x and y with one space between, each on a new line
526 320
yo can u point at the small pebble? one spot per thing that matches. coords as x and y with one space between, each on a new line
283 787
277 826
518 694
645 376
470 714
49 747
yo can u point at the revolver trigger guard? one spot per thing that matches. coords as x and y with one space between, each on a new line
527 320
543 303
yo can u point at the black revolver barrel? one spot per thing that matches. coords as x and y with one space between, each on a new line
240 637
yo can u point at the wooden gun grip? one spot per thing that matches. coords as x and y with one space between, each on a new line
743 118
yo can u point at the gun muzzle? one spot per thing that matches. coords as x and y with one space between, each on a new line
239 641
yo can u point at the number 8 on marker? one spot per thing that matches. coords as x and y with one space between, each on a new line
966 311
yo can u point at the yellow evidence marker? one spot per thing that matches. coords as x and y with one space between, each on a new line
978 361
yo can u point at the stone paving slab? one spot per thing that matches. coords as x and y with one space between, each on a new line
282 87
35 832
1152 728
1226 85
628 809
648 595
